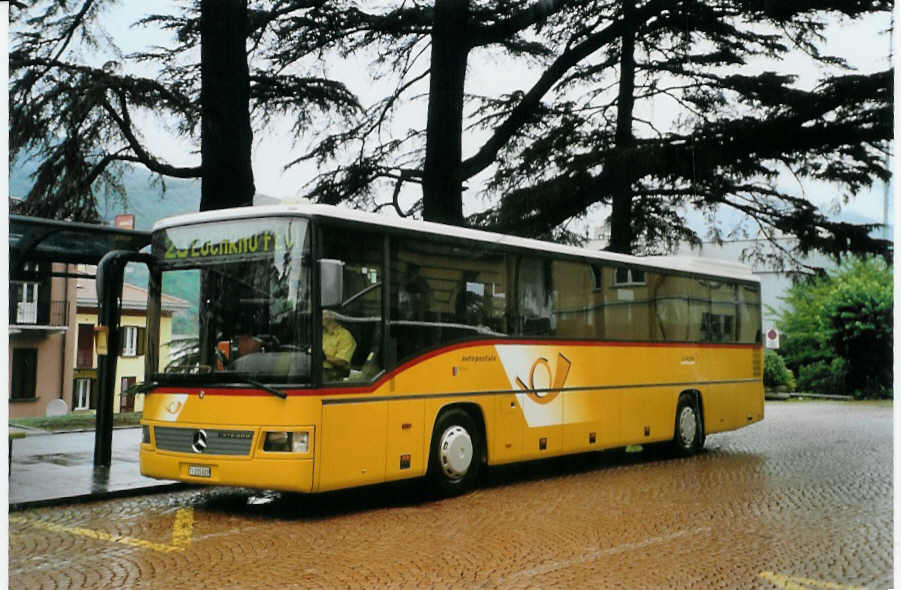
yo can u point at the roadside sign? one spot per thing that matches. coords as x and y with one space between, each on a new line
772 338
125 221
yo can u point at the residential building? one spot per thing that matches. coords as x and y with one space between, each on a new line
51 340
130 364
41 324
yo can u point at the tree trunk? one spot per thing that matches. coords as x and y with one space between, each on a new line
442 191
226 135
621 235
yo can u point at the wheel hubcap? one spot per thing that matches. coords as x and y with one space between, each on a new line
688 426
455 452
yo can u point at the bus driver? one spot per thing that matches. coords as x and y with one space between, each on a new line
338 347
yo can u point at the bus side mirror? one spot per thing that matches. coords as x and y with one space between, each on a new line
331 280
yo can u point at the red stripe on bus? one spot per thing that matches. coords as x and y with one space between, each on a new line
364 389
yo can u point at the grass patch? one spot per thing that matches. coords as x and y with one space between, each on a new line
75 421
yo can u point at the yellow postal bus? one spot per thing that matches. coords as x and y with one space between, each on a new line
329 348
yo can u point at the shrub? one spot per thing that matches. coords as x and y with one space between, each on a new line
775 373
860 331
838 330
824 376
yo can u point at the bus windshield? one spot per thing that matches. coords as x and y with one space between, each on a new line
247 287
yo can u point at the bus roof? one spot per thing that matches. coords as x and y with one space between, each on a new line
693 265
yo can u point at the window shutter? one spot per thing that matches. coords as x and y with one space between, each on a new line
142 333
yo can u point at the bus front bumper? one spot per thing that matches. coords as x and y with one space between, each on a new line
284 473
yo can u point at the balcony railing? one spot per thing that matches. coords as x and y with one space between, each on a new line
23 313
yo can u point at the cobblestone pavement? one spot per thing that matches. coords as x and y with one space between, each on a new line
801 500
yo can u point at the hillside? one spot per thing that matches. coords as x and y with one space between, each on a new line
145 196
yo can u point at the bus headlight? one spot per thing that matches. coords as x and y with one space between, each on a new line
287 442
145 434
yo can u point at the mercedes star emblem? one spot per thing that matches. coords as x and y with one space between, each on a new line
199 444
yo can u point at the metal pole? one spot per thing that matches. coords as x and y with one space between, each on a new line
109 292
110 273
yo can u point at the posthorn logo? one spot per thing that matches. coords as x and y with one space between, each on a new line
556 379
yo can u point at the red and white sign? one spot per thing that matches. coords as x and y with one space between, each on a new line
125 221
772 338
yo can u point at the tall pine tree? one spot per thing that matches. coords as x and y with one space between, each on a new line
76 119
575 136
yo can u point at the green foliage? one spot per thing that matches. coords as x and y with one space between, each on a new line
824 376
775 373
838 330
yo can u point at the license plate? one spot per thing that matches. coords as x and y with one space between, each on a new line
199 470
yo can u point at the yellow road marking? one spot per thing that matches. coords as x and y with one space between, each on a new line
796 583
183 527
181 533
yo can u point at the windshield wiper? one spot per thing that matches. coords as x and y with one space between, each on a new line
205 379
276 392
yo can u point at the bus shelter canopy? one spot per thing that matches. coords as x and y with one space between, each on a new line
32 239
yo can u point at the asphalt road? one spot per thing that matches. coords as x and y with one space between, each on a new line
801 500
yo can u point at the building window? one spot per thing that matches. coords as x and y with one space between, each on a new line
132 341
625 276
84 358
81 398
126 400
26 303
25 371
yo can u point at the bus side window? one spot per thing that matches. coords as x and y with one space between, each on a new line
671 308
574 300
360 312
627 303
442 293
720 322
413 303
748 314
535 297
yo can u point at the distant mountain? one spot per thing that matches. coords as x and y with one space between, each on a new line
144 194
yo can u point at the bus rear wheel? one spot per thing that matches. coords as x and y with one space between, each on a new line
455 454
688 435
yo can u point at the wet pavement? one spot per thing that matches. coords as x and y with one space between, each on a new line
801 500
52 468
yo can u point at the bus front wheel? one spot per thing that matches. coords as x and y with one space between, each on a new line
687 438
456 453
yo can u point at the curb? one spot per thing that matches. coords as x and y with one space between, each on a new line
93 497
843 398
38 432
25 429
773 396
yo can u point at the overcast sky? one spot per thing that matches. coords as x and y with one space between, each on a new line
863 43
